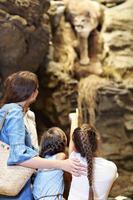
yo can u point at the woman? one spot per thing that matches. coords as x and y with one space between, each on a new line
101 173
21 90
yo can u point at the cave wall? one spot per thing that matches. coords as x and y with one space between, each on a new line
24 35
117 33
115 122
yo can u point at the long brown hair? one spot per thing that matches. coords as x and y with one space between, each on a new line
85 141
53 141
19 86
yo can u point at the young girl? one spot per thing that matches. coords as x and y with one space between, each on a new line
49 184
101 173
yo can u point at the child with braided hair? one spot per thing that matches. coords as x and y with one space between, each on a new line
101 173
49 184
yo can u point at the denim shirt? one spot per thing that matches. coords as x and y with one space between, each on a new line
15 134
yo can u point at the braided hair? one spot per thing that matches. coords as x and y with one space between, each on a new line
85 141
53 141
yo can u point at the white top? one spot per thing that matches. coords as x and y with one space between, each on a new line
105 173
29 121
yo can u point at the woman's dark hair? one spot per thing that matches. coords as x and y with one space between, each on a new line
19 86
85 141
53 141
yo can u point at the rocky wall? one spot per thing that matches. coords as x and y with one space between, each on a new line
24 35
115 123
117 33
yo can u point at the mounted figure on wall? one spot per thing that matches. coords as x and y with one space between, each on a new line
85 17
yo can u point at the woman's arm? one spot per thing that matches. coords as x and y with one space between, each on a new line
74 124
72 166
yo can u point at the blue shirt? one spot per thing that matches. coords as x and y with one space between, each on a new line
48 183
15 134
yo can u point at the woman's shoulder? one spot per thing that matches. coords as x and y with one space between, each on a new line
11 110
11 107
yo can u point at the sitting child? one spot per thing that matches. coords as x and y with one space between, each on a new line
101 173
49 184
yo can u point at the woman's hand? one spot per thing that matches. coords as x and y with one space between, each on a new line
74 167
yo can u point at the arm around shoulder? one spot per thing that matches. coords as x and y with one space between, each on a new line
72 166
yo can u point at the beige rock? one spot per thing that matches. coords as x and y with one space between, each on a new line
117 34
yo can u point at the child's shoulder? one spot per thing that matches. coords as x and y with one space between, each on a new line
60 156
57 156
75 154
107 165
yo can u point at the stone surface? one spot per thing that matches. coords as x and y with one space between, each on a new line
117 33
114 122
120 198
55 105
24 35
